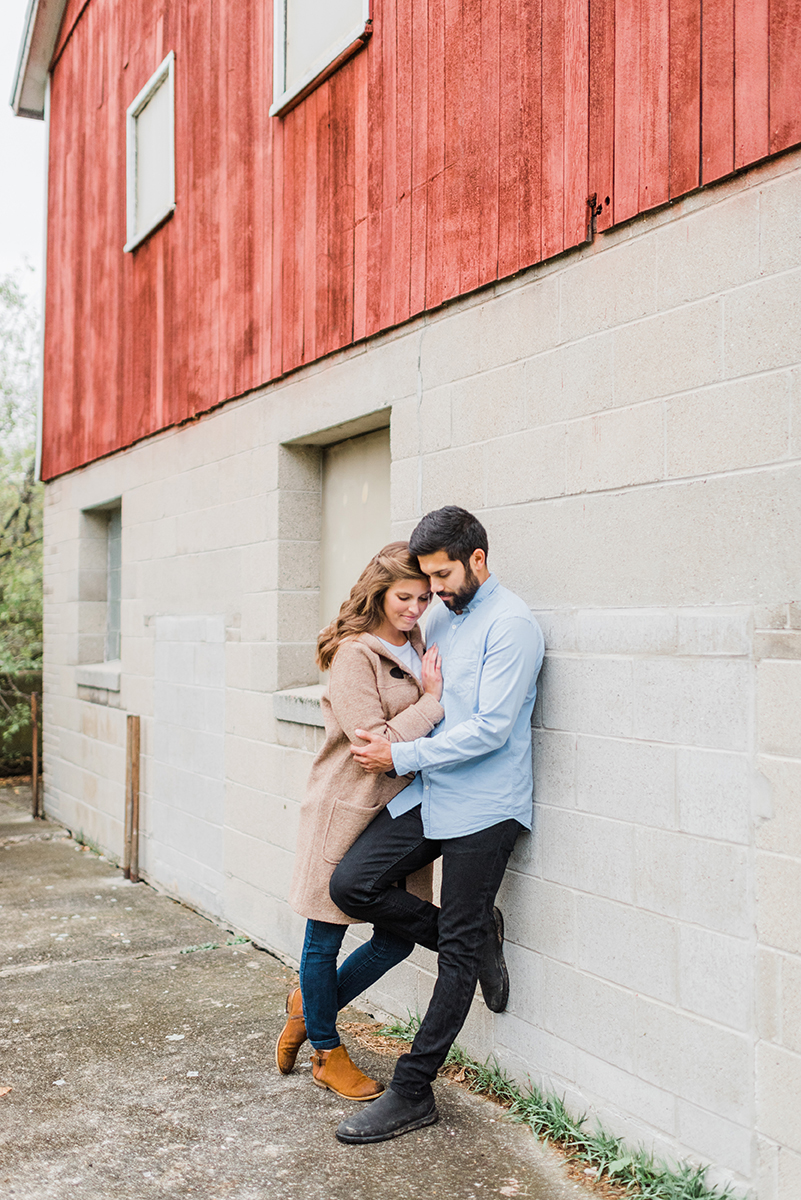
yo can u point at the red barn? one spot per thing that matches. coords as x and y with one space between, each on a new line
310 274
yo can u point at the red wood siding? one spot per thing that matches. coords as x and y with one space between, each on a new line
458 147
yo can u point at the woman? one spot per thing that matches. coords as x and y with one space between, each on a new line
381 681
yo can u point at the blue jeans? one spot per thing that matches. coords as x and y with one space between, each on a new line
325 989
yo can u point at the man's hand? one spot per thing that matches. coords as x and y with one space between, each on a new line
376 756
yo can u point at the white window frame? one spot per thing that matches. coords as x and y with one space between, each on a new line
165 72
352 41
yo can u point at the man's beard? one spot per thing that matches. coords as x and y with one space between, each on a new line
459 601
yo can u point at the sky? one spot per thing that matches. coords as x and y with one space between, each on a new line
22 162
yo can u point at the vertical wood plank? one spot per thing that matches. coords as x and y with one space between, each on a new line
717 89
342 177
435 141
510 144
292 243
655 144
628 89
489 142
685 96
454 149
419 121
310 346
553 127
388 196
530 224
375 171
401 267
601 168
751 81
577 87
361 197
323 265
470 121
785 72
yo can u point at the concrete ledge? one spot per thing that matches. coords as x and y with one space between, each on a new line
301 705
105 675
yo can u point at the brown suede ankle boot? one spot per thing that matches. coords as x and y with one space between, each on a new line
293 1035
334 1070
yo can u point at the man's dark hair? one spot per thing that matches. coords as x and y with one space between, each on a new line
452 529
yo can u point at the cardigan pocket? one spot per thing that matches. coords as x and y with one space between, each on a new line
345 822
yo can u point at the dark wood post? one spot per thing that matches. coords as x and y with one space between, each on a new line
35 754
130 859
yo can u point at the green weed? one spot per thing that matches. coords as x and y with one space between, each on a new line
549 1120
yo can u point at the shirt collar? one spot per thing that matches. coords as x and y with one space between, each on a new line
486 589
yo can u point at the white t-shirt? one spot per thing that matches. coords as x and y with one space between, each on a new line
407 655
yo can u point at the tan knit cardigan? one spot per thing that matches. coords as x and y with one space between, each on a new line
369 688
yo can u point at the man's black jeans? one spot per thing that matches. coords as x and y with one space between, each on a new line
472 870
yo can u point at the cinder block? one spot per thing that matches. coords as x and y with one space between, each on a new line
299 468
693 879
646 362
405 489
451 347
284 666
616 449
779 235
520 322
716 429
701 702
558 628
488 405
299 516
404 428
539 916
790 1003
717 630
767 1178
451 477
708 251
716 1140
778 886
789 1175
626 631
795 416
525 466
763 325
768 994
589 695
715 974
297 615
554 757
781 831
531 1051
613 287
577 851
604 1085
699 1062
714 794
575 379
778 643
435 419
594 1015
778 1086
635 949
627 781
779 708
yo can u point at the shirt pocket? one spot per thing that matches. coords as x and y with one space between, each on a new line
345 822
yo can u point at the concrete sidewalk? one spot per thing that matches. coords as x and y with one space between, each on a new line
140 1067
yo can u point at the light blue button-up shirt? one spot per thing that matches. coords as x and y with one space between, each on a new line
474 769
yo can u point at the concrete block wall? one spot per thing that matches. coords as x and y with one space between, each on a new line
626 420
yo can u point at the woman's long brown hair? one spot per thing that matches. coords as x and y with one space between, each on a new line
364 608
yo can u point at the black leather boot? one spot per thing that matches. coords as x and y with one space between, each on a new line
387 1117
493 976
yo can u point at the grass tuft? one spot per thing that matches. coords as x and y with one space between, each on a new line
549 1120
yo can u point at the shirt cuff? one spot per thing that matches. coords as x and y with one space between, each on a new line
404 757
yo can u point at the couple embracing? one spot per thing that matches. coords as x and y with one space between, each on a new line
427 755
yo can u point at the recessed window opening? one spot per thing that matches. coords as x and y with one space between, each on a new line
356 514
151 155
312 37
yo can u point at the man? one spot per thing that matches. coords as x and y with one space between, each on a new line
471 796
